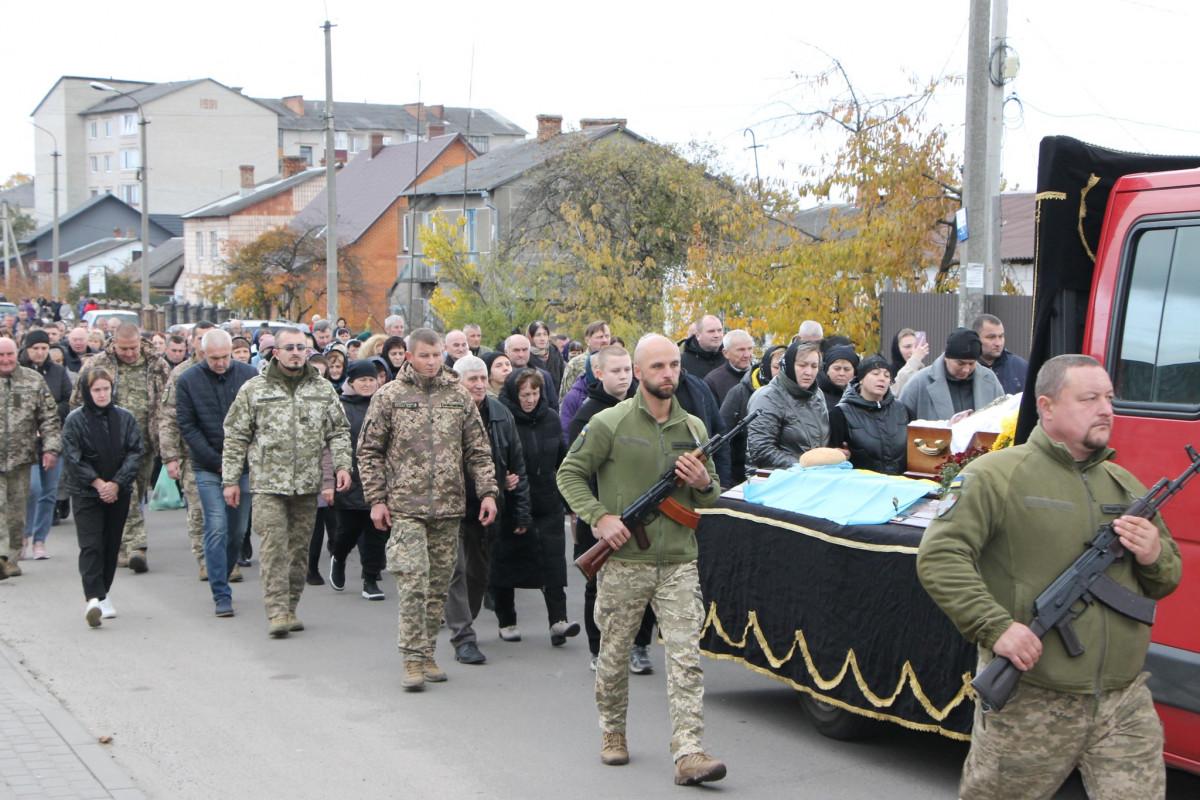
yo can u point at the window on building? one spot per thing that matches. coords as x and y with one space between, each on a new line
1159 357
129 159
108 128
94 191
356 144
94 163
92 127
199 244
213 249
306 152
387 140
480 143
469 231
108 162
131 193
128 124
339 141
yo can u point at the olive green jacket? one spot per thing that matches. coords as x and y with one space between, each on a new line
1017 519
281 426
628 451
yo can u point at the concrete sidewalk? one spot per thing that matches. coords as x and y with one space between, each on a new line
44 751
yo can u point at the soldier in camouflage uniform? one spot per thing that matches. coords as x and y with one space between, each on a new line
280 421
141 380
174 453
422 430
626 448
28 409
1010 524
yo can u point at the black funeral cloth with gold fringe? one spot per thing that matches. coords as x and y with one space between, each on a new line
834 611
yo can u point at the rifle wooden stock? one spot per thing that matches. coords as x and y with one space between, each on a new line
590 562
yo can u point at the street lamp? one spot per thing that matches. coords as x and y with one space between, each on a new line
54 290
143 169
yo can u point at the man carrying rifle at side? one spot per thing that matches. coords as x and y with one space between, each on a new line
628 447
1012 522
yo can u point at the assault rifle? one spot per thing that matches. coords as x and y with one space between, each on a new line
1084 580
657 498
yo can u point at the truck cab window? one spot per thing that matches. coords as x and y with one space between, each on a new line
1159 357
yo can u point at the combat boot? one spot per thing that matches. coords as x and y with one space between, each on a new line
294 624
279 627
414 676
432 672
12 569
613 750
697 768
235 575
137 561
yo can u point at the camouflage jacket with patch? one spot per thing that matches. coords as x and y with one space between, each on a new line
170 441
280 425
29 410
419 436
139 387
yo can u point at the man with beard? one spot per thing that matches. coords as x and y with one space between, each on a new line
1012 521
625 448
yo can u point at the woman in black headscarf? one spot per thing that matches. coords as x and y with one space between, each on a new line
535 559
837 370
542 352
794 418
102 451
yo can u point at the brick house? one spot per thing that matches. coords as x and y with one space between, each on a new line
239 219
371 207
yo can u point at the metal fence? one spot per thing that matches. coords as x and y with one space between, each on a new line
937 315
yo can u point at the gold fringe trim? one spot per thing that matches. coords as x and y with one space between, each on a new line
824 537
850 666
1092 181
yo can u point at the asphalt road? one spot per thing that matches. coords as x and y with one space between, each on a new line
201 707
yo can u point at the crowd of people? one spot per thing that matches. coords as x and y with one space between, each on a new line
456 467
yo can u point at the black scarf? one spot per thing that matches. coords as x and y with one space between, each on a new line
104 432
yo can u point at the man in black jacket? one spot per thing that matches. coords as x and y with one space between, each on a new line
203 397
354 525
77 349
738 349
471 571
700 353
43 483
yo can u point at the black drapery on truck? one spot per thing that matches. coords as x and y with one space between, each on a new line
837 611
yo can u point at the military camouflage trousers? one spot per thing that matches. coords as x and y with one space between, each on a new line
134 537
284 524
421 554
14 492
673 590
195 514
1027 750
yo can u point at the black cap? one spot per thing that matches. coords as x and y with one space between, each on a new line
36 337
361 368
870 364
838 353
963 344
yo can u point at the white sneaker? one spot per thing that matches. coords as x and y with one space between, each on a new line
510 634
106 609
92 613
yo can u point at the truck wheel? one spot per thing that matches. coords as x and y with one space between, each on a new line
837 723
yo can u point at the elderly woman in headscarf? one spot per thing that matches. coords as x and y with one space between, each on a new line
102 451
335 361
794 417
734 408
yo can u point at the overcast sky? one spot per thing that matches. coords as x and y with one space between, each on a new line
1113 72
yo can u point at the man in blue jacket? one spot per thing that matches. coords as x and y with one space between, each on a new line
204 394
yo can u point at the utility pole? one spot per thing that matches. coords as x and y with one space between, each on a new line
980 269
331 242
54 287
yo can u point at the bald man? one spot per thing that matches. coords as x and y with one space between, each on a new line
624 448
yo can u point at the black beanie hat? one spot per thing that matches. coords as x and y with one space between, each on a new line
36 337
870 364
837 352
360 368
963 344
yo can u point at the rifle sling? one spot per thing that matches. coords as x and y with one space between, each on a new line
1122 600
672 508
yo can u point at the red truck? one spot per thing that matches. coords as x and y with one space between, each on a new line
1143 324
837 612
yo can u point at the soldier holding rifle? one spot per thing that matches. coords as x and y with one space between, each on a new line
627 448
1010 524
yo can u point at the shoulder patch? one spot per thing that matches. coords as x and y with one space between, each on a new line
946 503
578 443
